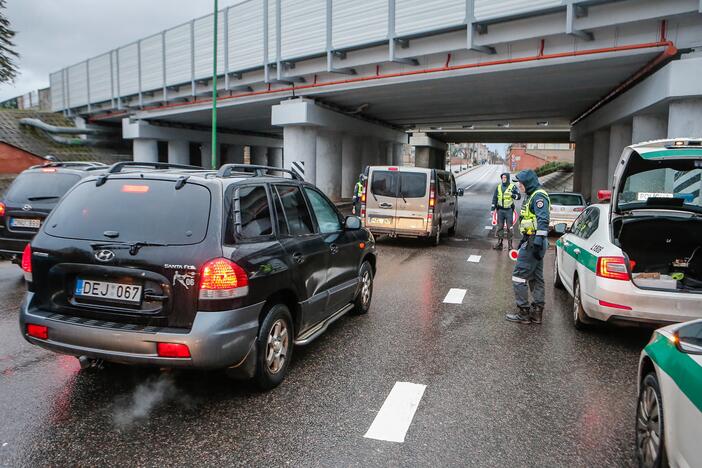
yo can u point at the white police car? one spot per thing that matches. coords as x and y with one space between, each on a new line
669 410
639 258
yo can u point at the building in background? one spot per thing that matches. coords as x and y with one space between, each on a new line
522 156
39 100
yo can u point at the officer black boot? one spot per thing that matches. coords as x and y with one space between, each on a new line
522 316
499 245
537 312
509 244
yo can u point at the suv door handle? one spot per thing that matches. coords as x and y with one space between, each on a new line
576 251
334 249
384 205
297 256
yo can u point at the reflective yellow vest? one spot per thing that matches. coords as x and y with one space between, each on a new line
527 219
504 199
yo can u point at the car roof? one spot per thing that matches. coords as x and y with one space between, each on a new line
565 193
404 169
667 144
71 167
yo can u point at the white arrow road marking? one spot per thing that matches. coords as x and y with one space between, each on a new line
488 227
395 416
455 296
474 258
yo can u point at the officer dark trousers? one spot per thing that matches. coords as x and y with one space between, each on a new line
504 216
528 275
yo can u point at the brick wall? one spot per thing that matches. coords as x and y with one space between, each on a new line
519 160
14 160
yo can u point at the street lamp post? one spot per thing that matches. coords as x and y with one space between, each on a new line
214 90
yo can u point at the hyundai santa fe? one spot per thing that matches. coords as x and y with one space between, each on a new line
167 265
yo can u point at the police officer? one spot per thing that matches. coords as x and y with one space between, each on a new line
503 202
529 271
357 193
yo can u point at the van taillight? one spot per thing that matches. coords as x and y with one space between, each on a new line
27 262
612 268
221 278
3 208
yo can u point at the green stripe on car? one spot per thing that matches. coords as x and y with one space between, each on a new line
587 258
684 371
675 153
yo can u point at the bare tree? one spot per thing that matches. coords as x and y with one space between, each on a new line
8 67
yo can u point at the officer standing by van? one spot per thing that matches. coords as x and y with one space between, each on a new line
503 203
357 194
528 273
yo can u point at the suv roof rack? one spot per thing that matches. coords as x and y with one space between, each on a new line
117 168
258 171
89 164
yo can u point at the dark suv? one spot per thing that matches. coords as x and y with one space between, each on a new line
31 197
166 265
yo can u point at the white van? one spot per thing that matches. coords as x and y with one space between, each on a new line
410 202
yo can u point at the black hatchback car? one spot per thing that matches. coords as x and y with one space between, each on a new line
31 197
166 265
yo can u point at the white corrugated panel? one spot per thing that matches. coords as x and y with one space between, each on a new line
417 16
178 70
490 9
56 85
151 63
272 30
246 35
303 28
115 73
357 22
100 83
128 70
78 84
204 30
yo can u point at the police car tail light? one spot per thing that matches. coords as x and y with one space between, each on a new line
27 262
612 268
221 278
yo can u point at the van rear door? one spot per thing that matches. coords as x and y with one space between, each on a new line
413 200
381 200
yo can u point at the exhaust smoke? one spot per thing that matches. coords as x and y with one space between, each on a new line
146 397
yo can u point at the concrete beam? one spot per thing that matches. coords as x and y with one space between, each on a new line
422 139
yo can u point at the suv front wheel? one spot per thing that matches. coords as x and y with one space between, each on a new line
275 345
365 293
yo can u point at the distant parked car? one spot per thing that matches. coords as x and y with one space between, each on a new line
31 197
669 410
565 207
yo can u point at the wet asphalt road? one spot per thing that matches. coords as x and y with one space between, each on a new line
498 394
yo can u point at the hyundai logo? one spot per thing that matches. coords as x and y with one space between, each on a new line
104 255
26 207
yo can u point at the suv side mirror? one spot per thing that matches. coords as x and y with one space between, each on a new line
460 192
561 228
352 223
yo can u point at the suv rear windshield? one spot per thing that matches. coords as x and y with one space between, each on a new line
564 199
36 186
138 210
391 183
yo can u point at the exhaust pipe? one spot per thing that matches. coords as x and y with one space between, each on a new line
90 363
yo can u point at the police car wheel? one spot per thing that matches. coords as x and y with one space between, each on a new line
650 436
557 283
579 320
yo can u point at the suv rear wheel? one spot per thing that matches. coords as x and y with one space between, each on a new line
275 344
365 294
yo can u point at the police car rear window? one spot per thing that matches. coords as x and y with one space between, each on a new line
136 210
40 186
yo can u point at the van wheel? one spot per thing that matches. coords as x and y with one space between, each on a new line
452 229
436 238
580 321
557 283
365 294
275 345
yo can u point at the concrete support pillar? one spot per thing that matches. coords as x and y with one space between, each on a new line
422 156
179 152
583 165
600 162
145 150
275 157
234 154
685 119
619 138
350 164
259 155
329 161
369 153
397 154
648 127
301 147
206 155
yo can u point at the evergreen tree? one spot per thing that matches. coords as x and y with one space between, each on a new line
8 67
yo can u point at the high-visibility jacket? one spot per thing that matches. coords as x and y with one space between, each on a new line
504 199
527 218
359 189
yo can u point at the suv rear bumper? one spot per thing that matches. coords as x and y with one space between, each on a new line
10 247
216 340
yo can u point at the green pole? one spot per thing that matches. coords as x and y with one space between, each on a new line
214 91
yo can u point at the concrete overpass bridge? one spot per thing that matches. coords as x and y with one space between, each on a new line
338 84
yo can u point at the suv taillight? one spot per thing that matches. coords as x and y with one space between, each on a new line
27 262
221 278
612 268
3 209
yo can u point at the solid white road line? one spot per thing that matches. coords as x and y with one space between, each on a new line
474 258
394 418
455 296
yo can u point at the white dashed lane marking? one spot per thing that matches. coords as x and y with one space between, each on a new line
455 296
395 416
474 258
488 227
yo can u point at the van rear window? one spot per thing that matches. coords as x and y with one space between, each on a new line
392 184
413 184
138 210
384 183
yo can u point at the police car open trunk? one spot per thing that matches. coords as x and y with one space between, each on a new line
657 214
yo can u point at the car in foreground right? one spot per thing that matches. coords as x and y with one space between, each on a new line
669 409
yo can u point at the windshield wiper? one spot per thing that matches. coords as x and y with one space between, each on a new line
132 246
43 198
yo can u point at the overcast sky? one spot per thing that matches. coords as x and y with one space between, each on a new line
54 33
